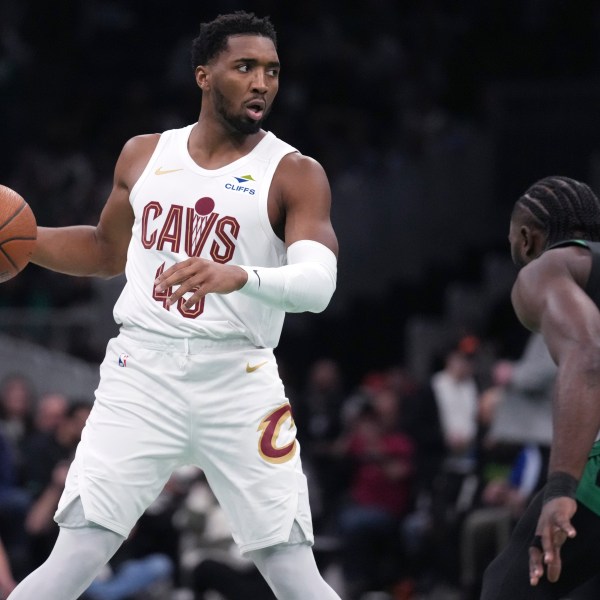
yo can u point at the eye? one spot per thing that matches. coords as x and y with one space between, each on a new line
243 68
273 72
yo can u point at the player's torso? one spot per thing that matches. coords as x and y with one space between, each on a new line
182 211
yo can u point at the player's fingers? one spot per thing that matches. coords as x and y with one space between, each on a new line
564 524
194 298
547 545
536 567
177 274
554 567
184 288
160 280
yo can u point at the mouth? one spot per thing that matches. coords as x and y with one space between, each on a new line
255 109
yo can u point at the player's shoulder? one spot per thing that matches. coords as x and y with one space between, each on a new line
134 157
573 260
295 160
141 144
299 169
556 260
535 273
554 266
139 148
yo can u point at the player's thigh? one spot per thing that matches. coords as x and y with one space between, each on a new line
245 439
136 434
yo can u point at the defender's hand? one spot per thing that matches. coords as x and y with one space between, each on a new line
553 529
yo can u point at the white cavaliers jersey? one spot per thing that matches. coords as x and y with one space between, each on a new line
182 210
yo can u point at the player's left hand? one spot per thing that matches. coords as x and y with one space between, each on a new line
201 277
554 528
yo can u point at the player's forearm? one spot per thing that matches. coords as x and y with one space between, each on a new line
306 283
576 415
75 251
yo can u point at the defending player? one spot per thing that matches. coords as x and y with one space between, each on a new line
221 228
555 238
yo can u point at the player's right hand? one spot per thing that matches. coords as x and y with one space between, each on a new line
199 277
554 528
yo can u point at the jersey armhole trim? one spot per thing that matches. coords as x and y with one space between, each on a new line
162 140
264 199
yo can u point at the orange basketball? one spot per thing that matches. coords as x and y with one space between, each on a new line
18 232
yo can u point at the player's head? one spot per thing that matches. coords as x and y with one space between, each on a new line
213 36
236 65
552 210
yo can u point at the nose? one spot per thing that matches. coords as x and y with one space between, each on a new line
259 83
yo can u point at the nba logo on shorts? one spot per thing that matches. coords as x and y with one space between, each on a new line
123 359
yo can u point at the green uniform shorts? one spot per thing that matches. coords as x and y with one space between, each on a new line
588 490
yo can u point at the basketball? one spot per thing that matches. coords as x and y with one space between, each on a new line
18 232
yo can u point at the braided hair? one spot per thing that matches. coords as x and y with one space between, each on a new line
561 207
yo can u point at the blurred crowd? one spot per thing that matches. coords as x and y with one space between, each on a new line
415 486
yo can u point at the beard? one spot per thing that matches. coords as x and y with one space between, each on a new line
237 123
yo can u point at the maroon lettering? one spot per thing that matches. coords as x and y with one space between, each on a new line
227 231
171 231
197 232
155 207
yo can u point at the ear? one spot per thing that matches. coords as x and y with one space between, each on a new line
533 240
202 77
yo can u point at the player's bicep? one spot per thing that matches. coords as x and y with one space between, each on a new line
307 204
113 232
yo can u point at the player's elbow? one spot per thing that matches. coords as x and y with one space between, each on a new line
312 289
589 359
111 267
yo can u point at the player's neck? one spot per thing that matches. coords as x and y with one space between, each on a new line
212 147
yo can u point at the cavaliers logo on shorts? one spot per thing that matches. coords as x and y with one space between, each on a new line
276 425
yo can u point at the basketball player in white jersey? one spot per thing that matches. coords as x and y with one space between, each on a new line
220 228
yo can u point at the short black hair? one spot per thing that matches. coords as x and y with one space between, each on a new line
562 207
214 35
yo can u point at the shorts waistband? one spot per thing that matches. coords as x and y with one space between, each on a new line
183 345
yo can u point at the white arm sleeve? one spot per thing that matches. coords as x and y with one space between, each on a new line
306 283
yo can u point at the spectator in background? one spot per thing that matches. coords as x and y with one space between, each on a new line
380 495
524 411
456 394
50 410
317 413
17 400
420 538
49 455
421 420
14 504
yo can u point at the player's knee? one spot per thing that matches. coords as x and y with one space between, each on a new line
89 546
292 573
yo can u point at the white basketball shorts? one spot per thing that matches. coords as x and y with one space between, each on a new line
163 403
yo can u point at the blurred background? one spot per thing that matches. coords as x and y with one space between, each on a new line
430 117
